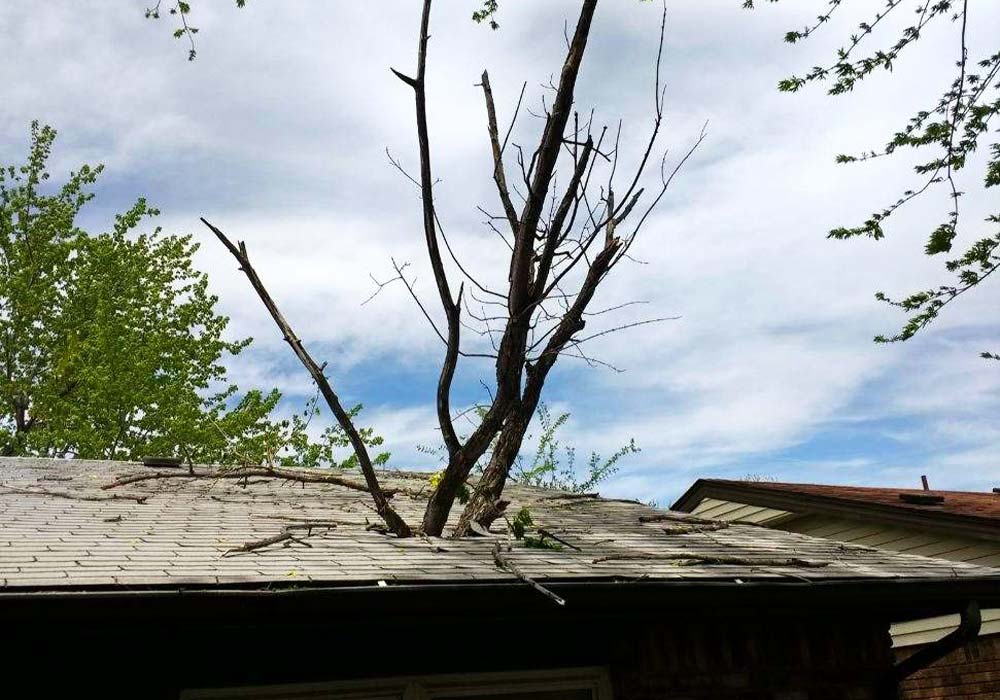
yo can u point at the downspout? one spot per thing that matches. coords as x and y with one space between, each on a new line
968 629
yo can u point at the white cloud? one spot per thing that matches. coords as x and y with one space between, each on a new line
277 134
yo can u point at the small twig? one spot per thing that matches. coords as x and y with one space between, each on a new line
287 534
685 523
243 500
552 536
616 307
677 518
688 529
321 522
569 496
379 286
72 496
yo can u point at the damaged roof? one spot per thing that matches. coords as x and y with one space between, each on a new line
66 525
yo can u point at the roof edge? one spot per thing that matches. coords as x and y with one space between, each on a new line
890 598
798 502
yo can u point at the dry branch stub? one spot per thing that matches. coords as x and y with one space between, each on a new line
691 559
286 535
73 496
503 562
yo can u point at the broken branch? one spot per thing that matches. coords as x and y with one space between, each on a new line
297 475
392 519
74 496
499 175
287 534
506 564
687 559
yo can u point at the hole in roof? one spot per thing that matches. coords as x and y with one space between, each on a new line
171 462
921 499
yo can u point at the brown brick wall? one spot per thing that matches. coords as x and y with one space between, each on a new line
782 660
971 673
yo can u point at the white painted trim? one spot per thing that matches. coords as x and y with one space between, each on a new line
931 629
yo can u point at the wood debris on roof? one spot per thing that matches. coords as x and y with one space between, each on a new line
181 530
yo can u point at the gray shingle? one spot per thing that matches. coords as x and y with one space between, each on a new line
181 532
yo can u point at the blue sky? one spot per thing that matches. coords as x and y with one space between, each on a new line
278 132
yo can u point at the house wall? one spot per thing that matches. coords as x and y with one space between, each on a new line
896 539
871 534
756 655
971 673
909 541
793 660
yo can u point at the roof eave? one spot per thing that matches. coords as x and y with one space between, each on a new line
890 599
969 526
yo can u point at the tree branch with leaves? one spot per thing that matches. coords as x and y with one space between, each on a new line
951 130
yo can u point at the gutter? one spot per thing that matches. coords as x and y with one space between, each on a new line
885 597
968 630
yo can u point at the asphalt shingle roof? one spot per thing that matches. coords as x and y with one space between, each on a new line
60 529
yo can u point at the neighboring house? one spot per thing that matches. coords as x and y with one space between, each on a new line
957 526
178 584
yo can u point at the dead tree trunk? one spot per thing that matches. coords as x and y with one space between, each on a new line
521 296
563 244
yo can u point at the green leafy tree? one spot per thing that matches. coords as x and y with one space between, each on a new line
110 341
949 131
300 449
110 345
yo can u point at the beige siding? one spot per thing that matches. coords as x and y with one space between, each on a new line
870 534
931 629
896 539
726 510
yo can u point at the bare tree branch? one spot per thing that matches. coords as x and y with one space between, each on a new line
499 176
563 243
452 308
7 488
295 475
392 519
548 152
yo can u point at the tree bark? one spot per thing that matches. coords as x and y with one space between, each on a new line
484 505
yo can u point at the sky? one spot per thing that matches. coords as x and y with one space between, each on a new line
278 134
